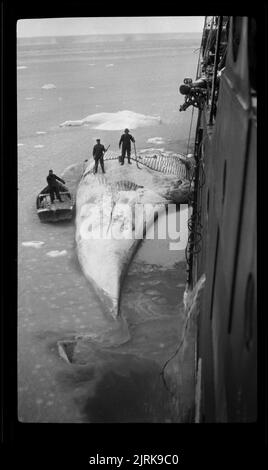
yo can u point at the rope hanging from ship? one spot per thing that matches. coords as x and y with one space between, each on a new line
162 373
194 226
194 246
210 38
194 223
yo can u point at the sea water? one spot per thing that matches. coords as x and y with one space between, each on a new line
136 83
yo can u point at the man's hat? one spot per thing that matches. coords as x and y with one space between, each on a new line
98 140
126 130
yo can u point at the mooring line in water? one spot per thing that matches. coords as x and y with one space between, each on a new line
196 292
162 373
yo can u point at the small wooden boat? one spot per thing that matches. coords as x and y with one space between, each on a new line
57 211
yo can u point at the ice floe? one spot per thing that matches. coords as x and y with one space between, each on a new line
38 146
29 98
109 65
21 67
56 253
33 244
20 145
78 122
91 87
156 140
48 86
40 132
115 121
151 149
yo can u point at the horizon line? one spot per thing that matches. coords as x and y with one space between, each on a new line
110 34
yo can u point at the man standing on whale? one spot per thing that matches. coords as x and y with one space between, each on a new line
98 152
125 140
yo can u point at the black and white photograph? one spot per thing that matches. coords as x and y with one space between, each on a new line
117 115
136 229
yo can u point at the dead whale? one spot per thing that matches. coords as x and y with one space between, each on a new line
113 212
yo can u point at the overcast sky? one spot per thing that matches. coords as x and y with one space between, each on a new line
109 25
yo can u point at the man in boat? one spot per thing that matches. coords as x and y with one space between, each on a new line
53 186
125 141
98 151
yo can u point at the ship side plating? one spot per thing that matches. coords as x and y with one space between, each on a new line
222 239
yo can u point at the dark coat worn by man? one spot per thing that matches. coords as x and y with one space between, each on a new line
53 185
125 141
98 151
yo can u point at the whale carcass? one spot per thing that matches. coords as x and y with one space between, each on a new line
113 211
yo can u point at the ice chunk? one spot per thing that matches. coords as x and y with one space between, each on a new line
34 244
151 149
72 123
21 67
56 253
115 121
38 146
156 140
109 65
48 86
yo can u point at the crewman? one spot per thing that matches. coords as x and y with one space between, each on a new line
195 93
98 151
126 146
53 186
